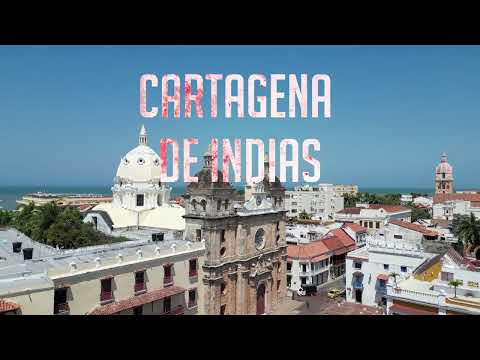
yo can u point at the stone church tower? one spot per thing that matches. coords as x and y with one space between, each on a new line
444 177
246 250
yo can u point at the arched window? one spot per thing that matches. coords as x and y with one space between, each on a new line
204 204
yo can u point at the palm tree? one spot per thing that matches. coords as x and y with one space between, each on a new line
394 275
468 231
455 284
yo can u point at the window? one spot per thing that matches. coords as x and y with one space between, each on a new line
304 267
382 284
222 235
140 281
204 204
403 268
106 289
397 236
278 284
198 234
140 200
377 224
223 309
192 298
219 205
167 275
226 204
223 250
194 204
289 280
138 310
223 288
385 266
446 276
370 224
289 266
192 270
304 280
167 304
95 222
60 303
357 265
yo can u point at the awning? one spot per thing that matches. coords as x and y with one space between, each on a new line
400 309
138 300
382 277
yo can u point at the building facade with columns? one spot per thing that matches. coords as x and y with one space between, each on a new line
245 260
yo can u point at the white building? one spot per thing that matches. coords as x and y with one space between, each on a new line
422 201
406 198
305 231
445 206
133 277
373 216
429 291
320 201
140 201
399 248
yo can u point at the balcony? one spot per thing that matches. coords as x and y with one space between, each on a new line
140 288
106 297
61 309
167 281
179 310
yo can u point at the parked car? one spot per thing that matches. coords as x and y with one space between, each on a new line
307 290
334 293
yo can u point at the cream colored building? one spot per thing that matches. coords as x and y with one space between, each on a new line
134 277
342 190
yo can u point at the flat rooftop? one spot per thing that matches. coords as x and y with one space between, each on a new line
15 271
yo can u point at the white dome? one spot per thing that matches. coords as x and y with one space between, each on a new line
141 164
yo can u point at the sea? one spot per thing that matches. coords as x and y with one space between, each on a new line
10 194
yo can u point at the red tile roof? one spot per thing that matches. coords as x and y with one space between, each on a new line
441 198
135 301
414 227
356 228
389 208
307 251
352 210
339 242
407 310
6 306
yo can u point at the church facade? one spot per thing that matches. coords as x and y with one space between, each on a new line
245 260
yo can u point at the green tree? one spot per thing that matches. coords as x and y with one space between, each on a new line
455 284
304 216
418 214
467 229
394 275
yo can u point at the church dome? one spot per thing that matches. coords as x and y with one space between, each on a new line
444 167
141 164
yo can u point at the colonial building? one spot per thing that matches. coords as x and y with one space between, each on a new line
373 216
444 176
320 261
140 200
245 261
132 278
429 291
445 206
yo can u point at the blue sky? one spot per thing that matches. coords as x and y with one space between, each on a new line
68 113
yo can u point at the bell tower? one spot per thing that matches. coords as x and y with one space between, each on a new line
444 176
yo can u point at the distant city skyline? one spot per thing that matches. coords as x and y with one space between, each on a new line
69 113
